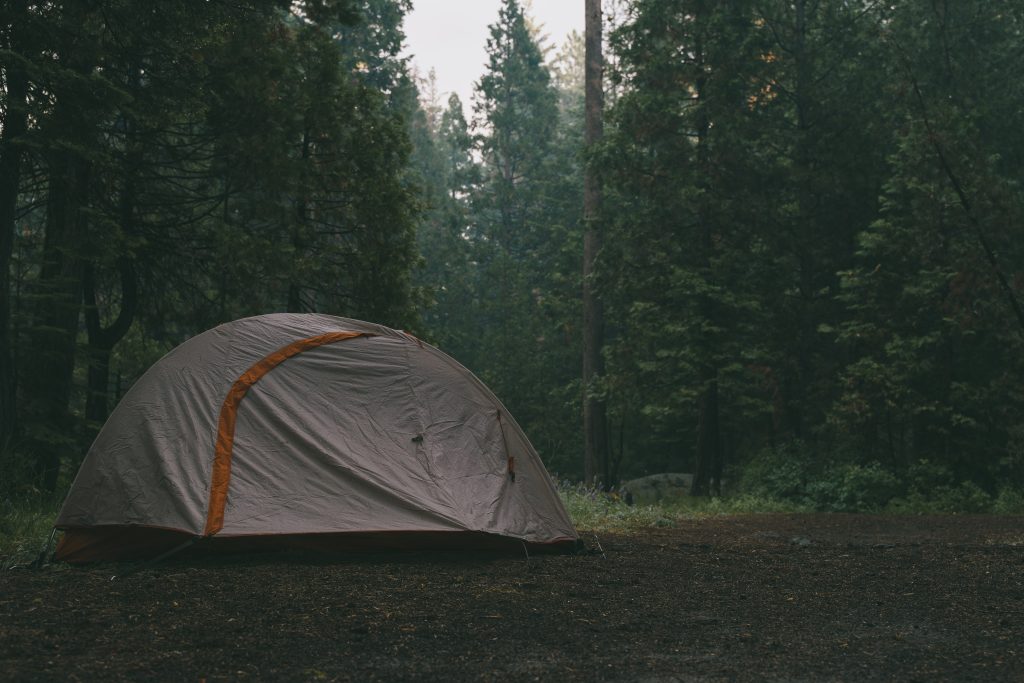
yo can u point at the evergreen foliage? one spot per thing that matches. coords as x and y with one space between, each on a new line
502 240
822 205
812 268
176 166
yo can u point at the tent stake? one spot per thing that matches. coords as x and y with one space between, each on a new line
148 563
40 561
598 542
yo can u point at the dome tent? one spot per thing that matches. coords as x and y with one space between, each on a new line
306 429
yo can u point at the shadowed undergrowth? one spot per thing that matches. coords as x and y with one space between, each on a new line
26 517
595 510
25 524
598 511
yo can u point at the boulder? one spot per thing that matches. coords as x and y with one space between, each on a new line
658 488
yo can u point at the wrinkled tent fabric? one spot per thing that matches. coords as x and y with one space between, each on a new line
307 427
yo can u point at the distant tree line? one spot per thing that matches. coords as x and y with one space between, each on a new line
811 246
815 249
812 253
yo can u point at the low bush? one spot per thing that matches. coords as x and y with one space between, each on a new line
853 488
792 475
965 497
1009 501
594 510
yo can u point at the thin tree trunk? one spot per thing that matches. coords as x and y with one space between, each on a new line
295 303
806 326
15 128
708 468
595 427
50 357
708 472
102 340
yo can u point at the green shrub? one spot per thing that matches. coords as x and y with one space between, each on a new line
963 497
932 488
792 475
1009 501
924 476
778 473
854 488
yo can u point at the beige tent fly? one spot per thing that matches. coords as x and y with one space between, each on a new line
308 430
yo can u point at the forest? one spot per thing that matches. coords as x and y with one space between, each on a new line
809 257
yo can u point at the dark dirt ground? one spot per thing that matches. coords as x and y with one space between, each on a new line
744 598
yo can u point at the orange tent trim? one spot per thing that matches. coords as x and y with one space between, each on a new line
229 411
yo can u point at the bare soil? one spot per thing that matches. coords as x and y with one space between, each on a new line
744 598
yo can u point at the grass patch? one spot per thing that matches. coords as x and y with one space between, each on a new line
598 511
25 524
27 512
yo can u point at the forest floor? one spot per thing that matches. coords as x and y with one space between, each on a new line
730 598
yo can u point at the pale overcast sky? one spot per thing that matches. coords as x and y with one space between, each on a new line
450 36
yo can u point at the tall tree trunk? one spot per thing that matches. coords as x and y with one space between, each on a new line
15 128
102 340
708 468
806 237
50 357
708 472
595 425
295 303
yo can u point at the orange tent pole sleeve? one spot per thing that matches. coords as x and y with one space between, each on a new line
229 410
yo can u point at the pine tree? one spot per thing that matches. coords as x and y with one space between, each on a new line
508 238
682 249
595 421
16 23
820 169
515 116
449 176
933 331
188 167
